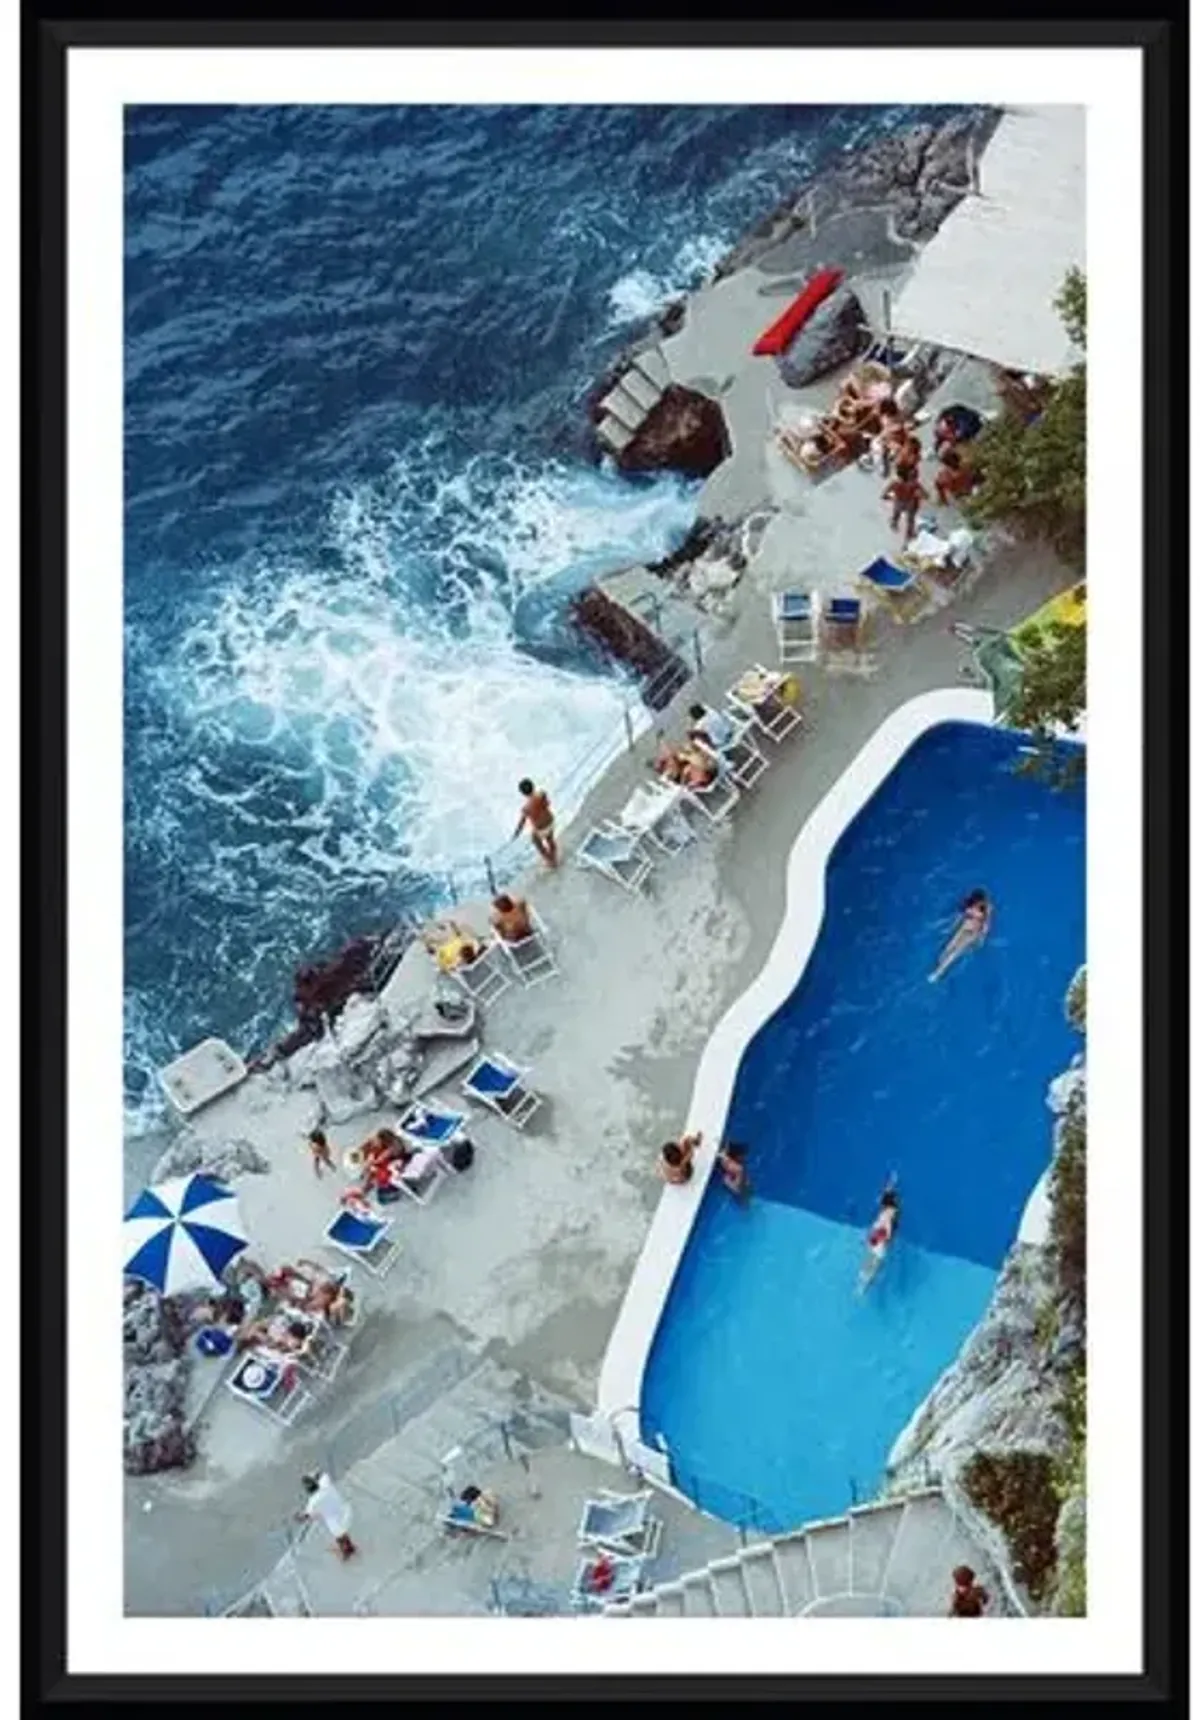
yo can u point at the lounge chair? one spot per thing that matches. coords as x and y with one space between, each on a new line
531 958
325 1350
629 1574
741 757
497 1083
620 1523
460 1516
899 587
717 799
655 810
421 1178
841 624
366 1240
757 695
487 977
275 1388
617 854
429 1125
795 616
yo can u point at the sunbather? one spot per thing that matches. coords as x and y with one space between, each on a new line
955 424
452 945
510 918
973 926
484 1506
713 728
906 493
675 1160
328 1295
687 766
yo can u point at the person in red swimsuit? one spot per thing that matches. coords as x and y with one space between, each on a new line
879 1237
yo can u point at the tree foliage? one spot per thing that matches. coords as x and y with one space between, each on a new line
1034 474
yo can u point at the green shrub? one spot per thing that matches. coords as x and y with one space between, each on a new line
1016 1489
1034 476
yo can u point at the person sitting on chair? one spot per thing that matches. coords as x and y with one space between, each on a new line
510 918
452 945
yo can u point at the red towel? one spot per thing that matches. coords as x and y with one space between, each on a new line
776 338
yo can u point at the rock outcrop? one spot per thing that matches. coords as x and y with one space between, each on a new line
624 638
831 336
684 432
189 1154
156 1378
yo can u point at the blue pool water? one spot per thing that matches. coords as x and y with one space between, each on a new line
769 1378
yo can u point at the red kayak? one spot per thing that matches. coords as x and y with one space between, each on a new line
781 331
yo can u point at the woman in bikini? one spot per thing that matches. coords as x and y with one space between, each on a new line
973 926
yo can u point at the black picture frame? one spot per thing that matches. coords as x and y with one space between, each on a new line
47 36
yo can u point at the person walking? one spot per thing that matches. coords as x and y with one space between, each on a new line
332 1508
906 493
322 1158
537 813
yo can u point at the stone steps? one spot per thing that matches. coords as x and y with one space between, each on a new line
630 401
893 1557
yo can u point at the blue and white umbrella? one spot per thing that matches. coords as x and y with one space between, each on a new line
181 1235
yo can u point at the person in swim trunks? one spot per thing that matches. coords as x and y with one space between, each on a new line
537 813
879 1237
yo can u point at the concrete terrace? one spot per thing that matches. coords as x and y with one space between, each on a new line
524 1260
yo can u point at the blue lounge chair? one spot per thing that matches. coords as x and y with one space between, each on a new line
628 1576
794 615
616 853
497 1083
363 1239
427 1126
899 587
620 1523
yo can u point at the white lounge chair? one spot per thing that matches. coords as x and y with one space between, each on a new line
620 1523
326 1348
532 958
756 695
719 797
423 1175
795 616
274 1387
498 1084
655 810
617 854
628 1576
487 977
366 1240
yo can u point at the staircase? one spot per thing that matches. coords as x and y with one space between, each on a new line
892 1558
626 406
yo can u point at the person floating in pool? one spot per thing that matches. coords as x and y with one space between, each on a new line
881 1233
975 920
731 1162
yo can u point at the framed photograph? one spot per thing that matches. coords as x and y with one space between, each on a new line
601 867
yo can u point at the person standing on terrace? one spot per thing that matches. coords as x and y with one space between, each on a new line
537 813
906 493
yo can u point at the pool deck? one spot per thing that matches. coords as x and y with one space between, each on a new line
528 1258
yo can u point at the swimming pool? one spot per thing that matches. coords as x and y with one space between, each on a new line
768 1378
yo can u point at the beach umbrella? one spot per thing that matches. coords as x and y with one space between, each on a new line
181 1235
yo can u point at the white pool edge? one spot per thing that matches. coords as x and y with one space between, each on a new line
623 1369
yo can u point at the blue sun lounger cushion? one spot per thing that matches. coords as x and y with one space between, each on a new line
436 1128
488 1078
792 605
353 1232
843 609
887 576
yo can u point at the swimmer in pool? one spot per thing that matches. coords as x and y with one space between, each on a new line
975 920
880 1235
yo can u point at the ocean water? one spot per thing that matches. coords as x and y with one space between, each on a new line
358 341
770 1378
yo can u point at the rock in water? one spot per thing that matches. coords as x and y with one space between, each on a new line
683 432
830 337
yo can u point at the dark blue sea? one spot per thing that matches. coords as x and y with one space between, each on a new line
358 342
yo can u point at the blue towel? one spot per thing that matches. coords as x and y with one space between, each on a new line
844 609
434 1126
793 605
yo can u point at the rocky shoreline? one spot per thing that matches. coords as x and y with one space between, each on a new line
1004 1395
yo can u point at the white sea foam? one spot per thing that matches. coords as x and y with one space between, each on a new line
641 292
